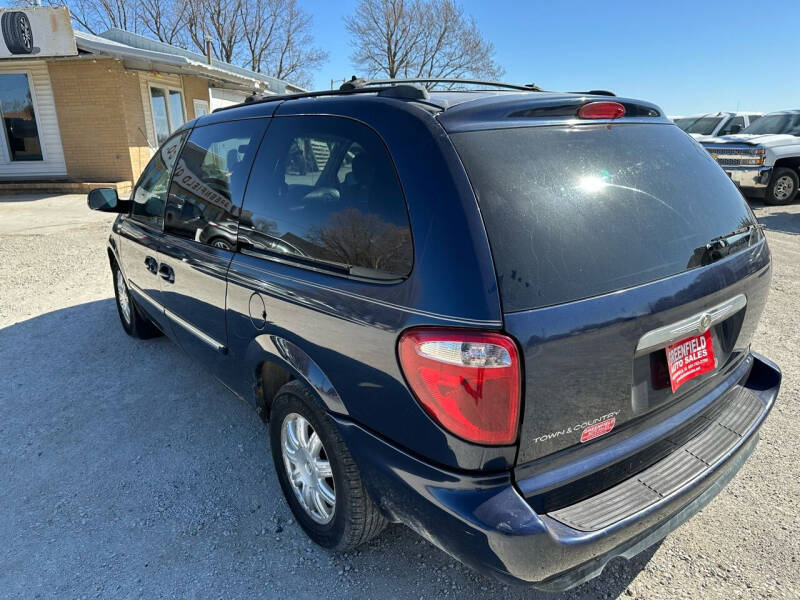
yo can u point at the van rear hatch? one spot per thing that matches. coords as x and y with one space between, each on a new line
613 243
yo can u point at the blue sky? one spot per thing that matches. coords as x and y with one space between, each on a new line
688 57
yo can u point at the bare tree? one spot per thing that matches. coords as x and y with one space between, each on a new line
353 237
260 20
165 19
219 20
277 34
96 16
419 38
267 36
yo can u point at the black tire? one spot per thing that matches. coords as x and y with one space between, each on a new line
134 322
355 519
778 183
17 32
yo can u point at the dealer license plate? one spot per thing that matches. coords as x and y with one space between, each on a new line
690 358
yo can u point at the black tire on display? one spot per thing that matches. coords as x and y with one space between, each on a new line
783 186
348 517
133 321
17 32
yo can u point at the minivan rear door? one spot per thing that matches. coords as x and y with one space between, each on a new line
602 234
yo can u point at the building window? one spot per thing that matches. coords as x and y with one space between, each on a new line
168 112
200 108
19 118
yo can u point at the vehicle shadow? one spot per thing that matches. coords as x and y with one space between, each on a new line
127 470
24 196
784 221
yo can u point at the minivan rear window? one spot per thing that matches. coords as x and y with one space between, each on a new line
575 212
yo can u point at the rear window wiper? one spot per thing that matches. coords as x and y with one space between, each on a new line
723 245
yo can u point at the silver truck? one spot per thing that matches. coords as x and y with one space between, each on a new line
719 123
764 159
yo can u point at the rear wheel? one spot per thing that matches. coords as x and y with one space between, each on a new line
317 473
783 186
133 321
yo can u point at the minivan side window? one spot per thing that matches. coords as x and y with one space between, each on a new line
150 194
205 196
324 192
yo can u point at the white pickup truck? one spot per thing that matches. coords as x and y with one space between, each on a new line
719 123
764 159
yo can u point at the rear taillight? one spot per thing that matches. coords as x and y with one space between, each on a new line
601 110
469 382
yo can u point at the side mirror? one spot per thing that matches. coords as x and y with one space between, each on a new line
106 200
735 129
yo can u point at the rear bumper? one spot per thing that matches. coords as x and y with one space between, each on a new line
484 521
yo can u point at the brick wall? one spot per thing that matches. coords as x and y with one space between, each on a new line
91 104
102 119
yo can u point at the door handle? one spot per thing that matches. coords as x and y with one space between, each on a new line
167 273
152 264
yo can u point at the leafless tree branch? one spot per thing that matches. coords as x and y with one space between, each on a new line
419 38
267 36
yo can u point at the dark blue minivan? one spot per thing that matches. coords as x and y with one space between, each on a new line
518 322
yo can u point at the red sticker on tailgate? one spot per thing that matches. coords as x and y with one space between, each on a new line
690 358
598 429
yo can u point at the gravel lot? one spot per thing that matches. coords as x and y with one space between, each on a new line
126 471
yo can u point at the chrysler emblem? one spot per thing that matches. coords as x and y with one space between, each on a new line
705 323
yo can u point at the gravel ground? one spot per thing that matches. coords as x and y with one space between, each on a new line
125 471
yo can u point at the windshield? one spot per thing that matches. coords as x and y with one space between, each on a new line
788 123
575 212
701 125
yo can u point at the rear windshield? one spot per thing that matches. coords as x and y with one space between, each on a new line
574 212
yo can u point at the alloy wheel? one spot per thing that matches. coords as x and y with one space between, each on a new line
25 33
122 298
308 468
784 188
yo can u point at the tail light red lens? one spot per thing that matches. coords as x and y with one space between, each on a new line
469 382
601 110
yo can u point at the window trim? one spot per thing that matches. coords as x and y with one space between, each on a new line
167 88
29 75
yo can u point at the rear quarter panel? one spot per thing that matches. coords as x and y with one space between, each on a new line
349 328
